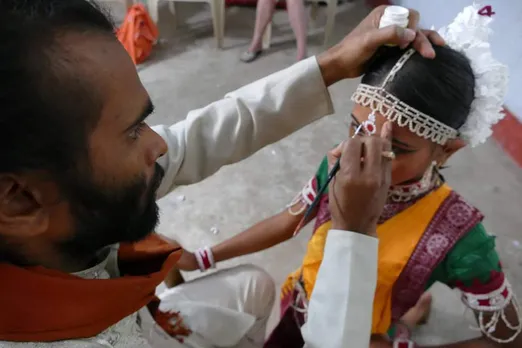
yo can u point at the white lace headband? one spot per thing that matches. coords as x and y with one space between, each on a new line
391 107
469 34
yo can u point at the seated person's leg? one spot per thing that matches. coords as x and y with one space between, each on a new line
247 289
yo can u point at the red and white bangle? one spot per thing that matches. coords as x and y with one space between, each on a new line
403 343
402 336
205 259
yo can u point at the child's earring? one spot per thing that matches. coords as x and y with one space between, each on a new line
369 124
437 165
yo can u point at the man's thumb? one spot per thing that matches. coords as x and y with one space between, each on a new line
334 154
392 34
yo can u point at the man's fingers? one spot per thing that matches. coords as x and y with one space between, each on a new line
336 152
413 19
333 155
372 156
389 35
377 14
425 40
351 157
434 37
423 45
386 135
404 37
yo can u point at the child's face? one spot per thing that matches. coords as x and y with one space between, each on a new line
414 154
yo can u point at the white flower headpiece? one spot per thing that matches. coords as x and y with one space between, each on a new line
469 34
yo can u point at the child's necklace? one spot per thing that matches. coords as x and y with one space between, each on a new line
406 193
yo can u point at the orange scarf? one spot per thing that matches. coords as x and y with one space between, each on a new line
43 305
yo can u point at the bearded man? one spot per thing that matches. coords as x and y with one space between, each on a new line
80 172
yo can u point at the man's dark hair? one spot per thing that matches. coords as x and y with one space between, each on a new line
442 87
47 106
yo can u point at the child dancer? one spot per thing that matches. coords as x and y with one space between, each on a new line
427 232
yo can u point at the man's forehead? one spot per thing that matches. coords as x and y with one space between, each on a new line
92 49
105 63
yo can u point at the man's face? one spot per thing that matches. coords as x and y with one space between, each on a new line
113 200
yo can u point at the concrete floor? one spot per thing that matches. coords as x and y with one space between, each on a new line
187 72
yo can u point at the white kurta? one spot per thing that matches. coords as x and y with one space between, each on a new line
222 133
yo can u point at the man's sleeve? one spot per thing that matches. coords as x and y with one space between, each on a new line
242 123
341 306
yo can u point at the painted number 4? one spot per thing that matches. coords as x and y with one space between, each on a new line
486 11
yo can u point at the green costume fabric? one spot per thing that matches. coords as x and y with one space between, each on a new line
472 258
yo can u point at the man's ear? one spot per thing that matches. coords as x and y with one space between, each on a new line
22 213
449 149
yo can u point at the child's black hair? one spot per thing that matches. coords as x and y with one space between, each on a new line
442 88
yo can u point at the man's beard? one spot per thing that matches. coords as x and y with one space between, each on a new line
105 216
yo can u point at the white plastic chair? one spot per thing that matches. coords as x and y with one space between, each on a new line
216 6
331 11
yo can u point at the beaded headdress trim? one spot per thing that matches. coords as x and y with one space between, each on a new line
395 110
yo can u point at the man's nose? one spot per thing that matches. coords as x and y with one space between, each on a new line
158 148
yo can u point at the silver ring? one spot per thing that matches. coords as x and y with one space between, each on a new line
389 155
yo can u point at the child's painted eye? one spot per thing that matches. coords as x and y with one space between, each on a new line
400 150
353 128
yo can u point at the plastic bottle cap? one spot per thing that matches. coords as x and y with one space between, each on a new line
396 11
395 15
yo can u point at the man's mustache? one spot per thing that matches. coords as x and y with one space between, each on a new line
157 177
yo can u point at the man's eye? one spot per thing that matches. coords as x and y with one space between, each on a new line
136 132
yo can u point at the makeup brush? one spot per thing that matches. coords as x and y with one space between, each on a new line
323 188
